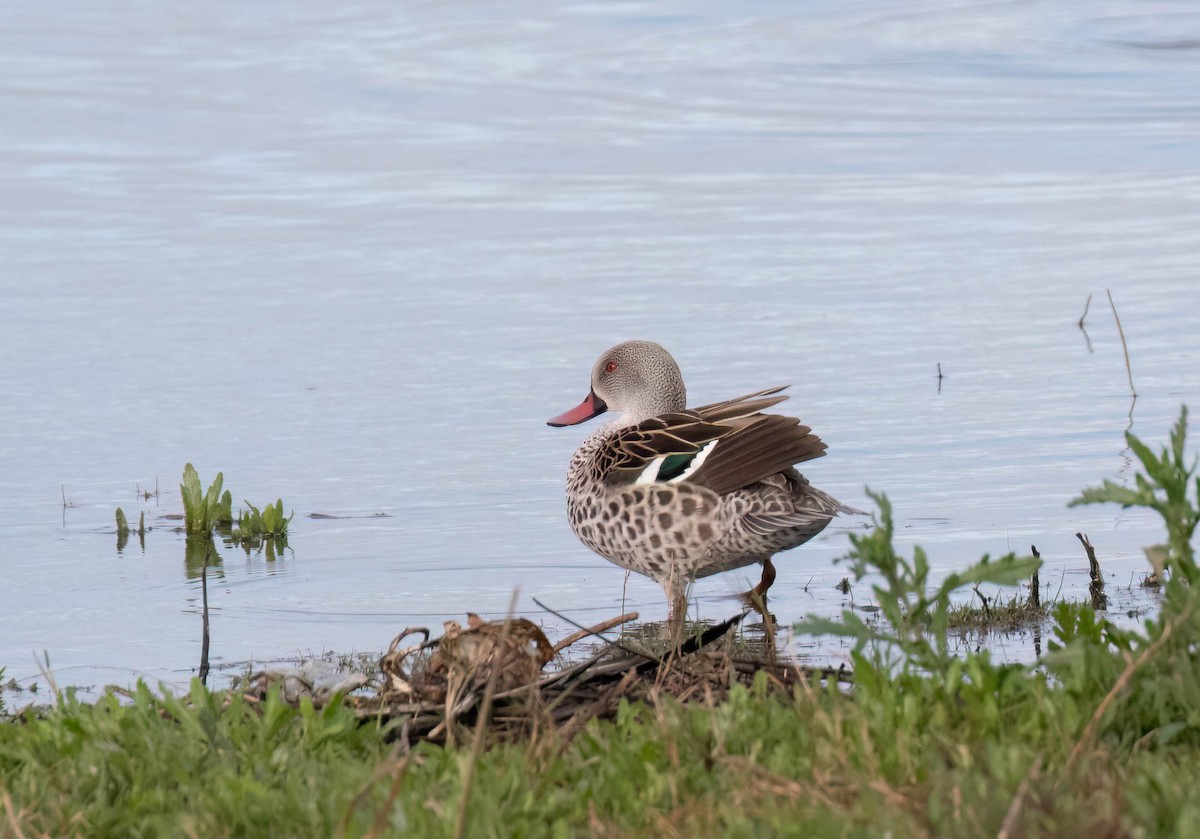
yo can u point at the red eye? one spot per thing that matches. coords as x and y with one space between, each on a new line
608 368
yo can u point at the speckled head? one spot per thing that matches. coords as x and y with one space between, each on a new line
639 379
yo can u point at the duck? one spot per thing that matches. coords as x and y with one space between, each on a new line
677 493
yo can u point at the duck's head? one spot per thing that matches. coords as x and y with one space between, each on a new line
638 379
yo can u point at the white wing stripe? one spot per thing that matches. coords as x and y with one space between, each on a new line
650 473
696 463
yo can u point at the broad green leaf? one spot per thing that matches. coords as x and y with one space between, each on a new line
1156 468
1111 493
850 626
192 496
1179 435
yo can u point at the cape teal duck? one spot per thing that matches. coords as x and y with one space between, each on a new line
675 493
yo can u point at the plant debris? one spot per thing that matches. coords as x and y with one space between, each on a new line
434 689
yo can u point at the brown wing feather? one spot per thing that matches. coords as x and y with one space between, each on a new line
756 451
753 446
742 406
638 446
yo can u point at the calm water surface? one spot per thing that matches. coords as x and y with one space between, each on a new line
354 255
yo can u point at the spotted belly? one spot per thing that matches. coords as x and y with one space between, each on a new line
658 531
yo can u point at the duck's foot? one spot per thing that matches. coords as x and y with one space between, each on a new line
756 599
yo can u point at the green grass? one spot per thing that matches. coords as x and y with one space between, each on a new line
902 755
1100 738
1000 615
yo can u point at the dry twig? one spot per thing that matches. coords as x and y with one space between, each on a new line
1124 346
1096 589
1018 802
1035 585
1089 732
10 813
204 640
603 626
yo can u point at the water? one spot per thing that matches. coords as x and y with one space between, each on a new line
354 256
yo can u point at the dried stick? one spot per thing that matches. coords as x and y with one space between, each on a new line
48 674
204 620
1096 589
593 630
580 718
394 765
1014 809
1089 732
1086 338
1124 346
1035 586
617 644
380 823
10 812
987 610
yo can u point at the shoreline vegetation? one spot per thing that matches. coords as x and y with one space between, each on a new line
467 736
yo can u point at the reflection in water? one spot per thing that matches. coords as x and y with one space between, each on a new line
123 540
255 544
199 553
1087 339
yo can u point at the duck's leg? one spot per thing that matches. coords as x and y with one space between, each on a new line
756 597
677 599
768 579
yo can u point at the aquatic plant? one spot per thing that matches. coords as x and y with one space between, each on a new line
202 511
199 553
1164 488
122 530
996 614
205 512
270 522
914 630
1153 675
257 529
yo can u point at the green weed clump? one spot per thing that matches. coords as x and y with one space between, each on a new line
269 522
997 615
203 511
267 527
206 512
